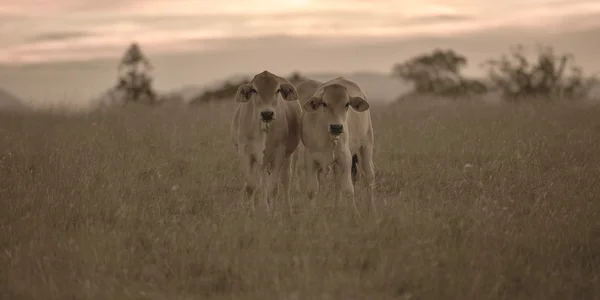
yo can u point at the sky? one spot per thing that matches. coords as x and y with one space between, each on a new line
33 31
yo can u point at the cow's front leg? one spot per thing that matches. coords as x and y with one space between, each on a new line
274 171
344 179
251 178
336 185
312 177
286 180
296 166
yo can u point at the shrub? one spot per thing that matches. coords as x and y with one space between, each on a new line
438 73
547 75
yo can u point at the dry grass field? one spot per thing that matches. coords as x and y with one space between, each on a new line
484 202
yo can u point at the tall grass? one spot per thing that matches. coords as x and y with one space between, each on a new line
485 202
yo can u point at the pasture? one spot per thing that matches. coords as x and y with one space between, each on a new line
484 202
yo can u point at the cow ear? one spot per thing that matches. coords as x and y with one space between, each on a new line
288 92
359 104
312 104
244 93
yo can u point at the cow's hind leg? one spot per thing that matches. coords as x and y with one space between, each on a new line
366 164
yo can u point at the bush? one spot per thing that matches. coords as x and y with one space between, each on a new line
226 91
438 73
548 75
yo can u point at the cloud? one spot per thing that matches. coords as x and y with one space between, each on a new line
59 36
250 7
44 8
92 28
439 18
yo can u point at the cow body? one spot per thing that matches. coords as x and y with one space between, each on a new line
266 133
336 130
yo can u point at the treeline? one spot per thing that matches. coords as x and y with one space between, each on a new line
517 76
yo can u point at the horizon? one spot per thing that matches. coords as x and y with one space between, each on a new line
75 30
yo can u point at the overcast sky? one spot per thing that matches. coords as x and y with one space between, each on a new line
58 30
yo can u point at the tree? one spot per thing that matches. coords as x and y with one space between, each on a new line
296 78
227 90
547 75
438 73
134 76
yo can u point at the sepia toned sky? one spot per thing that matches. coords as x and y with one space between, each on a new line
66 30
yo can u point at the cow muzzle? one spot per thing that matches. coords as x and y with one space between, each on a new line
267 116
336 129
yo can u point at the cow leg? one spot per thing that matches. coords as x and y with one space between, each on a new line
327 172
322 173
260 173
312 177
274 175
336 171
286 179
355 169
344 179
296 170
252 178
366 164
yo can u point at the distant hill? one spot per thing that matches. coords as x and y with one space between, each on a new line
9 101
379 87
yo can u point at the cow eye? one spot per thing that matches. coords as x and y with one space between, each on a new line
324 104
253 91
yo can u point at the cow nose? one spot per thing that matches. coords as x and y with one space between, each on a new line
267 115
336 129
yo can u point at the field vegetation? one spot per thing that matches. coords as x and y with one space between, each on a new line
483 202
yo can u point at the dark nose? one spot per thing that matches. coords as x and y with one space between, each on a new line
336 129
267 115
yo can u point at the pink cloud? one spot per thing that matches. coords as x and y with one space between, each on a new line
250 7
110 27
46 7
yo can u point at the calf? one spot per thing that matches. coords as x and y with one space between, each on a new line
336 131
266 132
